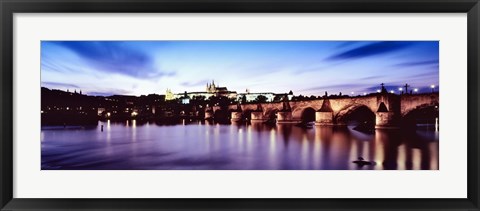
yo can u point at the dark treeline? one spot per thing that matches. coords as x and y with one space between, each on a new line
72 108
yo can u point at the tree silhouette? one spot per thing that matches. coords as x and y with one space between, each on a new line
261 99
244 99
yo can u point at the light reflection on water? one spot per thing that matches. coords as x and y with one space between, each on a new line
207 146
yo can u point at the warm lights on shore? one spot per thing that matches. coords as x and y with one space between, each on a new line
134 114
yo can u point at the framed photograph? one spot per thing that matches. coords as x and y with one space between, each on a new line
227 105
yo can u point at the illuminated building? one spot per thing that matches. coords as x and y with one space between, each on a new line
211 90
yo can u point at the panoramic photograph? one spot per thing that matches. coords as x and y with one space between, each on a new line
239 105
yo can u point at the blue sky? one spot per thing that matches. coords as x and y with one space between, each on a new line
305 67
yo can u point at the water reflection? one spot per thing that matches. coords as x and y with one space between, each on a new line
209 146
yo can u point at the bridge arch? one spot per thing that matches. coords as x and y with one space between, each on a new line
420 106
299 107
221 114
422 114
355 113
412 102
247 114
308 114
271 114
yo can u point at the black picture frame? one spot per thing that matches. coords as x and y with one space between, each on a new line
9 7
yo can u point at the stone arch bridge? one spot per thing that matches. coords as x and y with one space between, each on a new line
388 108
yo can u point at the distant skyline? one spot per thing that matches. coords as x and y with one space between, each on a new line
305 67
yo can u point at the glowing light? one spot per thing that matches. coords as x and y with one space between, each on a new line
364 93
378 90
108 114
391 91
134 114
400 89
432 86
415 90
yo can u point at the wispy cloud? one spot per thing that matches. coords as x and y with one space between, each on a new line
115 57
348 44
195 83
372 49
371 77
59 85
48 64
417 63
337 87
431 74
109 92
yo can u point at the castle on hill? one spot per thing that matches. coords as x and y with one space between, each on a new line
213 89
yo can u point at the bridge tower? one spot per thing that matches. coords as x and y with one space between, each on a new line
285 115
387 114
324 116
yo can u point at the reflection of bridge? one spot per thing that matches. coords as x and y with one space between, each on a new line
389 109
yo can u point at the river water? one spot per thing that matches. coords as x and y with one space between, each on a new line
193 145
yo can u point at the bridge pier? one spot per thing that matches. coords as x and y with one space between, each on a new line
324 118
385 120
208 114
285 117
236 116
257 116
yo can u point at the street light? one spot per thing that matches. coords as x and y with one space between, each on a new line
415 90
391 91
378 90
433 87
